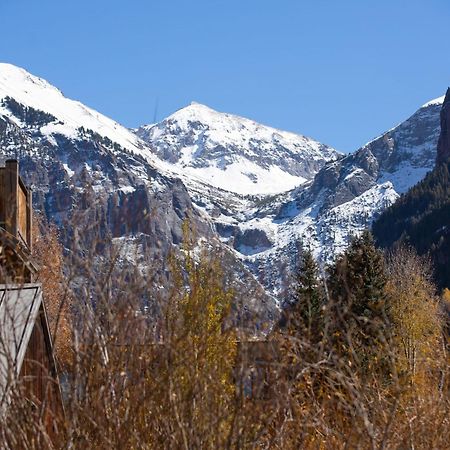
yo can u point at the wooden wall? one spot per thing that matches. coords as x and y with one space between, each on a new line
22 214
15 204
38 376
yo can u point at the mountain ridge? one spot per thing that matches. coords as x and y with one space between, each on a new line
339 196
217 147
121 196
421 217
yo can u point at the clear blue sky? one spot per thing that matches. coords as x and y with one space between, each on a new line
341 71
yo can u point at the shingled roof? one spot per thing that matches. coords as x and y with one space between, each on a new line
19 309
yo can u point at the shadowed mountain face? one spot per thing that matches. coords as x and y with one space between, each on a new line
443 151
421 217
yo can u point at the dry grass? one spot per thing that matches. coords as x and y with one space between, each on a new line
134 382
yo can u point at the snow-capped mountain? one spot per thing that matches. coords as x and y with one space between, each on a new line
343 199
234 153
251 191
408 151
87 169
63 117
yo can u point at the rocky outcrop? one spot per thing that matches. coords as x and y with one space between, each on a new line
443 151
250 191
343 199
251 241
105 199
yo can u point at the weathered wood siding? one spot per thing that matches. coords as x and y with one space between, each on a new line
38 376
22 214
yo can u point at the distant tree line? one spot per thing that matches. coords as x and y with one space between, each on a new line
421 218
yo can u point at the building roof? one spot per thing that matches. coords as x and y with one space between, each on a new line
19 309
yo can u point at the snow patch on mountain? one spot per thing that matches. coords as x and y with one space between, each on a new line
343 199
234 153
268 245
408 151
405 176
437 101
246 177
71 115
264 190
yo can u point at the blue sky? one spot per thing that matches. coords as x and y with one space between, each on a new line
339 71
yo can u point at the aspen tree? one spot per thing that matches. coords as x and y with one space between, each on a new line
415 313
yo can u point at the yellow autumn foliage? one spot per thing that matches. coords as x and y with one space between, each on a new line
415 316
48 254
203 348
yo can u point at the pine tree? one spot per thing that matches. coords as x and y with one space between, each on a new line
419 218
301 342
358 278
307 299
357 303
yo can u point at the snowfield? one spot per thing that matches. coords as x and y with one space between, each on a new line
234 153
71 115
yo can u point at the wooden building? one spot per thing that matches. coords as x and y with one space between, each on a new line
16 226
27 363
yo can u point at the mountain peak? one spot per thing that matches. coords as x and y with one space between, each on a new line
198 112
17 81
194 103
36 93
436 101
235 153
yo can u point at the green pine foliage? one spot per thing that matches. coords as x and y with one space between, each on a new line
357 306
421 218
307 297
358 277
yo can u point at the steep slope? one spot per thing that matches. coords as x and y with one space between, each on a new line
421 217
89 169
408 151
234 153
229 175
443 151
59 115
343 199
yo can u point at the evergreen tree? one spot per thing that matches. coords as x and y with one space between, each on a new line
358 277
307 298
420 218
300 343
357 303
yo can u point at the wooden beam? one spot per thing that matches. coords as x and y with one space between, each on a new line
30 219
11 184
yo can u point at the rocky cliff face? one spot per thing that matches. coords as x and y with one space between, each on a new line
420 217
253 193
102 185
443 151
112 198
342 199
